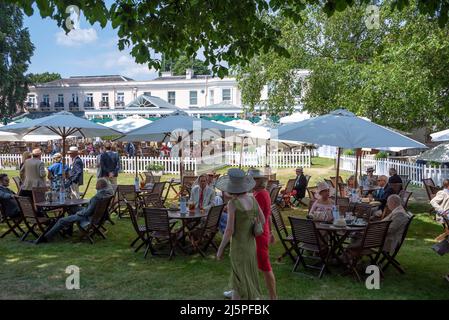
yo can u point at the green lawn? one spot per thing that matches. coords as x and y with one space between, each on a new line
111 270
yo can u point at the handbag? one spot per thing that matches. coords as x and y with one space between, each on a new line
257 225
441 247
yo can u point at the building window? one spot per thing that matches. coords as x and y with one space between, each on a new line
226 95
46 98
89 97
172 97
61 98
105 100
120 101
74 97
147 93
211 97
193 98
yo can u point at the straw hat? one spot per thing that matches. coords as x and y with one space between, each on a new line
73 149
235 181
36 152
322 186
256 174
57 156
370 169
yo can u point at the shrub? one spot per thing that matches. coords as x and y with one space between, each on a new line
381 155
155 167
349 152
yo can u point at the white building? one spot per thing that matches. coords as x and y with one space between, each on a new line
100 96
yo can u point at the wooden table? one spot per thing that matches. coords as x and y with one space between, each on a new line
189 222
68 203
338 235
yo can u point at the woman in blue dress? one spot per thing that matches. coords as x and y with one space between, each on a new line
56 171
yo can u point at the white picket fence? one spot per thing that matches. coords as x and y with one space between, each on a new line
415 172
172 164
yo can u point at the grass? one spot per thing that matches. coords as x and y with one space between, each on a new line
111 270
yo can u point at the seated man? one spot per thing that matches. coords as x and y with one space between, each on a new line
300 186
202 194
441 200
104 190
399 218
7 200
383 193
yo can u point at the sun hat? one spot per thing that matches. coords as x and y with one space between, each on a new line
235 181
36 152
73 149
322 186
256 174
57 156
370 169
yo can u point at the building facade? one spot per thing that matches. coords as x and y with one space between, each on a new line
105 93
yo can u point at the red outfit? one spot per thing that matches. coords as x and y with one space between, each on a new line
262 241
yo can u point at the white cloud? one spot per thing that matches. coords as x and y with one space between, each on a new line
123 63
76 37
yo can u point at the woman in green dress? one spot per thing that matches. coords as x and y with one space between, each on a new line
243 209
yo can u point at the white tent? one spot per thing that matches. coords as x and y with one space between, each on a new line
127 124
13 137
295 117
440 136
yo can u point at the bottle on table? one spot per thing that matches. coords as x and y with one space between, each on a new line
62 191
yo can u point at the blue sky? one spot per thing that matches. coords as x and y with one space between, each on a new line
87 50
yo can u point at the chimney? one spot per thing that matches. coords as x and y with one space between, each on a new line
189 74
166 74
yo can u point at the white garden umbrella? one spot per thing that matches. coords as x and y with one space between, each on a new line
438 154
63 124
178 125
128 124
440 136
343 129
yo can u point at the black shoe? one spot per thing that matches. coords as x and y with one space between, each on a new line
41 239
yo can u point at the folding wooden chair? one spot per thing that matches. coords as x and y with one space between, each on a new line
157 229
371 246
127 192
271 184
97 220
287 194
35 224
334 182
330 183
445 233
391 259
187 184
397 187
274 193
83 194
203 236
405 181
155 198
18 183
405 197
363 210
150 178
306 238
312 191
282 232
13 224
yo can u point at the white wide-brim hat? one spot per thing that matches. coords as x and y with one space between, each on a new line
235 181
322 186
72 150
256 174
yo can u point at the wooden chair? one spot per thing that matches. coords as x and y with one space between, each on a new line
342 190
405 181
306 238
203 236
39 194
363 210
312 191
334 182
18 183
287 194
434 191
35 224
83 194
391 258
343 204
274 193
308 178
155 198
428 182
284 236
157 229
189 173
445 233
330 183
271 184
187 184
405 196
97 220
397 187
12 224
138 228
371 246
127 192
150 178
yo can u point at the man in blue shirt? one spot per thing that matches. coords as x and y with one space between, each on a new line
110 164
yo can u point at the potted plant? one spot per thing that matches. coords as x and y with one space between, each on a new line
155 169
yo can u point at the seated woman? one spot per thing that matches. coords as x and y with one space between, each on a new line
56 172
350 187
322 208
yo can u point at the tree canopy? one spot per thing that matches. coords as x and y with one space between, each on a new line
394 74
36 78
16 50
226 30
178 66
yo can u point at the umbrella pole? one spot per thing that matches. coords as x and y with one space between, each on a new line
137 170
356 167
338 174
241 153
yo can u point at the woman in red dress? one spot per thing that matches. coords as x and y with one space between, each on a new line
263 260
